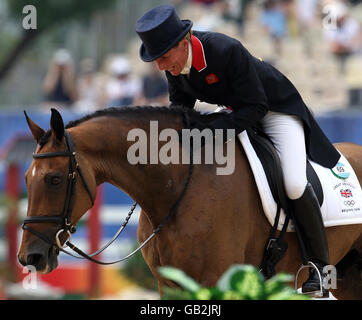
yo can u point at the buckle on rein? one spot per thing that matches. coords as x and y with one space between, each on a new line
69 229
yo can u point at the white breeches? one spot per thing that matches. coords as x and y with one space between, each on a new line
287 134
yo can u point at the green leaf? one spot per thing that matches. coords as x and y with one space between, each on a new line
216 294
244 279
202 294
277 283
208 294
287 294
232 295
239 282
175 294
298 296
179 277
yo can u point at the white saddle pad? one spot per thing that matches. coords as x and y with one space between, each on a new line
342 204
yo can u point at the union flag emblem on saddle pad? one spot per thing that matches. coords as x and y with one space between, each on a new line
346 193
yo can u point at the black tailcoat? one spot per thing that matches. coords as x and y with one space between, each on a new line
224 73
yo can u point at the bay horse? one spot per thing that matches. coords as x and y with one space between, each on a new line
219 222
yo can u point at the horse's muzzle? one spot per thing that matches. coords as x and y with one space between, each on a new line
44 258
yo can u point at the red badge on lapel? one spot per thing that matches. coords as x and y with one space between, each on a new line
212 78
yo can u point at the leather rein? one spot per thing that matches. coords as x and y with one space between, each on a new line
64 220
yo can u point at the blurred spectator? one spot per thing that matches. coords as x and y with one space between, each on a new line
306 13
205 2
154 88
235 10
123 87
273 18
343 38
355 2
59 85
211 17
356 12
89 86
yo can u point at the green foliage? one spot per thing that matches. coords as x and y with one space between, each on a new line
239 282
180 277
138 271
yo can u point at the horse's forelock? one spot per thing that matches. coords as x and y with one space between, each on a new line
45 138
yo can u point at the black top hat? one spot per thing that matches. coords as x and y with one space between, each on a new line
160 29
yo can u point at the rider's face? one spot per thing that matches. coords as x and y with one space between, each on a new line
175 59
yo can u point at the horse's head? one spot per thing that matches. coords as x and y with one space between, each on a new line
58 194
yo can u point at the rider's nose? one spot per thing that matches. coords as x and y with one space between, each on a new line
161 66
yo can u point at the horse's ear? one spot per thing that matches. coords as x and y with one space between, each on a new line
36 131
57 124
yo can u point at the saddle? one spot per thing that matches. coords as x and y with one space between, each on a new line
276 247
338 192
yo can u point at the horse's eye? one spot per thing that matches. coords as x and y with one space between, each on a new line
55 180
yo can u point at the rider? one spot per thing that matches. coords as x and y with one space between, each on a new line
217 69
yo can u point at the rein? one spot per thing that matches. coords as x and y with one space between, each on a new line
65 218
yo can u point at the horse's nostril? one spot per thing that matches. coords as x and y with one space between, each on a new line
34 259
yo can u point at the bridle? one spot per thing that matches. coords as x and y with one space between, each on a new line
64 219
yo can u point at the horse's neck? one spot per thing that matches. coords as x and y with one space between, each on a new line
103 142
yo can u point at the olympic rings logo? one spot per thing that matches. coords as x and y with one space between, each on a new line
349 203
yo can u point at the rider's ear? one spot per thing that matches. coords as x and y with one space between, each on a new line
57 124
36 131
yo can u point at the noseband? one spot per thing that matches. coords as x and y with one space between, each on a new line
64 220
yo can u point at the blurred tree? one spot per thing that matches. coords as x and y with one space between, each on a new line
49 13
